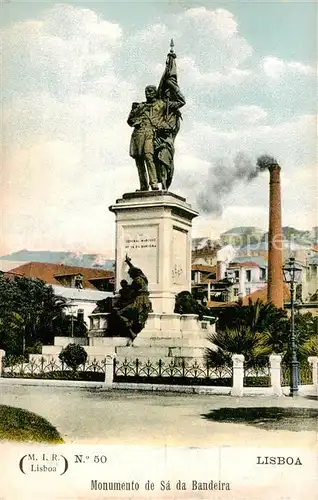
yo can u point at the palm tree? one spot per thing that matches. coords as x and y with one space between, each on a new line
310 347
252 344
247 330
258 330
257 316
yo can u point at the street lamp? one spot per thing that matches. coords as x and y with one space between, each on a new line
292 273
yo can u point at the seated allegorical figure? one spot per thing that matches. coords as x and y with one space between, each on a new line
128 316
125 295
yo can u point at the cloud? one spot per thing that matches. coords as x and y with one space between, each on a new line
70 78
56 51
275 68
218 44
238 117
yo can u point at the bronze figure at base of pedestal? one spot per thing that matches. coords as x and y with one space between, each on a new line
127 316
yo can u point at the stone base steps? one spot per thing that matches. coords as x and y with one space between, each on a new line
159 352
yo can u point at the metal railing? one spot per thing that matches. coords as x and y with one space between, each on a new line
304 374
177 371
53 369
257 377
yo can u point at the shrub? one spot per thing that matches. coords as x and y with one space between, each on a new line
35 348
185 303
12 360
73 356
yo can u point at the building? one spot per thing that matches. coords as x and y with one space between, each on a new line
228 281
82 287
261 294
242 235
250 275
300 251
204 251
312 276
81 302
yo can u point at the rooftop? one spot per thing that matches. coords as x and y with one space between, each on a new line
50 272
258 260
261 294
203 268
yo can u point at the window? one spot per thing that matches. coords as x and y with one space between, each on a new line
299 292
248 291
78 281
235 292
248 275
263 274
80 315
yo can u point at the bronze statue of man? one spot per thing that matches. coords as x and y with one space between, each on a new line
156 123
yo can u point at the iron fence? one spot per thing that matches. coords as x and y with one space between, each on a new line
257 377
177 371
304 374
92 371
144 371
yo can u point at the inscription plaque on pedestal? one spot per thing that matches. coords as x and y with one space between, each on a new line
141 244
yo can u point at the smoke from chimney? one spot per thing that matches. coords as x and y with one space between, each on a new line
223 177
265 162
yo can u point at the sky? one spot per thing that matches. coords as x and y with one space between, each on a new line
70 72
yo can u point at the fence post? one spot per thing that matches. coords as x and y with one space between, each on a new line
109 371
275 361
238 375
313 361
2 355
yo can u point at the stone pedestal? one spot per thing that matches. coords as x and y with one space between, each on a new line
154 229
313 361
238 375
2 355
275 361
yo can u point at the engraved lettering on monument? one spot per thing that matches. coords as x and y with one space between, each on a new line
141 242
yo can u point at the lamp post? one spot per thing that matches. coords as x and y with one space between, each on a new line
292 272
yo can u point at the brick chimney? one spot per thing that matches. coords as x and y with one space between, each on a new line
275 288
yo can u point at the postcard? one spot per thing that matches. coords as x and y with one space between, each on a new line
158 242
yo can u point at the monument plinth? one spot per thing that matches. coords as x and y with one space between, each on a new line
154 229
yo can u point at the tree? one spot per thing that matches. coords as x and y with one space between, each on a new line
256 315
252 344
69 325
260 329
28 308
306 330
73 355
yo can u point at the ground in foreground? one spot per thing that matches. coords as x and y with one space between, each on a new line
21 425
